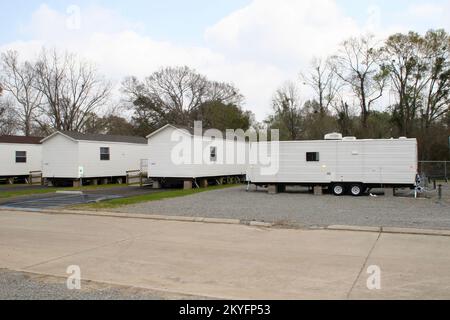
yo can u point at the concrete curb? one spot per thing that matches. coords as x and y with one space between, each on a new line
355 228
425 232
261 224
138 216
70 192
387 230
392 230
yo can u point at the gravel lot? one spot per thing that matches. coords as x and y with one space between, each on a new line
24 286
301 209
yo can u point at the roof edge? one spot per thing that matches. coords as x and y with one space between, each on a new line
164 128
56 133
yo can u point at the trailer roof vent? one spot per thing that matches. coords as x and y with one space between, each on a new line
349 139
333 136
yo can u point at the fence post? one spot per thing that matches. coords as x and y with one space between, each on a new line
440 192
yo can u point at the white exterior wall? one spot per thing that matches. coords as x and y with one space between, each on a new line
123 157
62 158
161 165
59 157
366 161
8 165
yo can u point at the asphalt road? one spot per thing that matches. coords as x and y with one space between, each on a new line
58 200
297 208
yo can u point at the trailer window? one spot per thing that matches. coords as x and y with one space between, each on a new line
21 157
104 154
213 154
312 157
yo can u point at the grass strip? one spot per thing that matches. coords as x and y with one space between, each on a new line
115 203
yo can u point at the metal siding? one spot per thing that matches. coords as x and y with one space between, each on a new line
63 157
8 165
123 157
161 146
368 161
59 158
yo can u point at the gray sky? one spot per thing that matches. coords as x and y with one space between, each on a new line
256 44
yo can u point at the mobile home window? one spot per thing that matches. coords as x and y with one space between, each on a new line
213 154
21 157
312 157
104 154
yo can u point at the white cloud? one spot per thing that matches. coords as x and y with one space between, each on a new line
281 36
257 48
268 30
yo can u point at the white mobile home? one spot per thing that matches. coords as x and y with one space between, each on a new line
342 164
19 156
75 156
181 154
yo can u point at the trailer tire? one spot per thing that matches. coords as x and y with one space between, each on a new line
338 189
357 189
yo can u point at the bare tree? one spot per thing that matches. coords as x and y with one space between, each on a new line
419 70
18 79
358 64
324 81
402 59
287 106
437 75
71 88
172 94
225 93
8 118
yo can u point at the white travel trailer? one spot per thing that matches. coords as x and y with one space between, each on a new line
19 156
178 154
342 164
75 156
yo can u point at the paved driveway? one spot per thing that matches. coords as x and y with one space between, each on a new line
52 201
226 261
60 200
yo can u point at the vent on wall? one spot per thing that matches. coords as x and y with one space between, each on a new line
333 136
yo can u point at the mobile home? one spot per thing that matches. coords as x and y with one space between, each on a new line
179 154
75 156
19 156
341 164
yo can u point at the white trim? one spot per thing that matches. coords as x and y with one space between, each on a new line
166 127
54 134
87 141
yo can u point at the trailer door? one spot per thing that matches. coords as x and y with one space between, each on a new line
349 161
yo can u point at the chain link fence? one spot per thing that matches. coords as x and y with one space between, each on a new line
435 170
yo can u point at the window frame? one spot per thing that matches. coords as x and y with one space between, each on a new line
102 154
21 157
312 157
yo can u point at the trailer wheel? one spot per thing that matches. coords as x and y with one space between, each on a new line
356 190
338 189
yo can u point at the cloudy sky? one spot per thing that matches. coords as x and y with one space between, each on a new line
256 44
